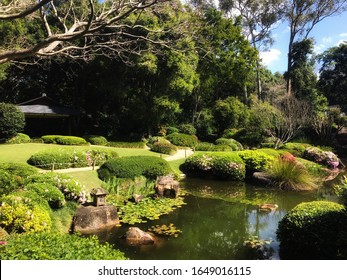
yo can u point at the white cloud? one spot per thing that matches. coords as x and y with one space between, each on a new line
270 56
343 35
327 40
341 42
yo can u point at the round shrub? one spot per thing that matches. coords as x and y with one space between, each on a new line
11 120
222 148
24 212
187 128
49 192
51 159
233 144
54 246
20 138
96 140
216 165
131 167
8 182
171 129
183 140
128 145
63 140
18 169
255 160
204 146
297 149
164 148
313 230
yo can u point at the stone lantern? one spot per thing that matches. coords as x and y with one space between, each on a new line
99 196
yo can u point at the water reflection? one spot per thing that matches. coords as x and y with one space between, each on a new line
217 222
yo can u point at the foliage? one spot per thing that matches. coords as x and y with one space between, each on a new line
49 192
68 158
96 140
255 160
204 146
12 121
131 167
21 170
233 144
54 246
222 148
24 212
341 190
133 145
63 140
218 165
187 128
164 148
183 140
326 158
8 182
20 138
297 149
313 230
165 230
288 174
171 129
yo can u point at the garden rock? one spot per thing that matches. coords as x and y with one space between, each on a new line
135 237
166 186
261 178
137 198
90 218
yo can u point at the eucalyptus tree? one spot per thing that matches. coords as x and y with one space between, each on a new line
302 17
258 20
75 28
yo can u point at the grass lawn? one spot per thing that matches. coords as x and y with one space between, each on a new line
89 179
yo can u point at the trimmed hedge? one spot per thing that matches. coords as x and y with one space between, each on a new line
96 140
255 160
61 159
164 148
129 145
313 230
233 144
217 165
8 182
187 128
131 167
49 192
21 170
204 146
63 140
183 140
20 138
54 246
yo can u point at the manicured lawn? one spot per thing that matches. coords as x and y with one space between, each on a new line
88 178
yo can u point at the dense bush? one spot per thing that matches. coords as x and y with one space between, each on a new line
96 140
71 189
222 148
11 121
183 140
187 128
63 140
21 170
326 158
131 167
297 149
49 246
233 144
8 182
164 148
341 190
20 138
171 129
217 165
256 160
130 145
68 158
313 230
24 211
49 192
204 146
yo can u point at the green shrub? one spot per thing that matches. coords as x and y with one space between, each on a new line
204 146
222 148
49 192
236 146
68 158
164 148
171 129
11 120
71 188
130 145
8 183
290 175
187 128
183 140
297 149
49 246
22 170
96 140
63 140
217 165
255 160
313 230
131 167
24 212
20 138
341 191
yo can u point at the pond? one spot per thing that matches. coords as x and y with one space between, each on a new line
217 220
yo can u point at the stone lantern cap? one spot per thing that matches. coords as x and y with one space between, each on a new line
98 192
99 196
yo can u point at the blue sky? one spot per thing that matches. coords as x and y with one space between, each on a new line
328 33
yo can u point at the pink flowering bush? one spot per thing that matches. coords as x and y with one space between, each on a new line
326 158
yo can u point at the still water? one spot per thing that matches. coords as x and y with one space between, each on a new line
217 220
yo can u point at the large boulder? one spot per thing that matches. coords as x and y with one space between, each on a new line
91 218
166 186
135 237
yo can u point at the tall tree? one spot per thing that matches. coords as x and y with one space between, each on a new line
75 26
258 18
302 17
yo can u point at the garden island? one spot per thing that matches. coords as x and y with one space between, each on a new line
152 130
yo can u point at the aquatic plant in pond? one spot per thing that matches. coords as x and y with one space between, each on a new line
170 230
